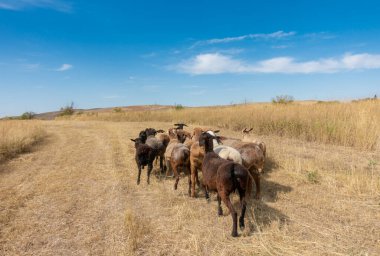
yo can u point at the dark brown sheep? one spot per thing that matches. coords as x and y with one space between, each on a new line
225 177
144 156
154 143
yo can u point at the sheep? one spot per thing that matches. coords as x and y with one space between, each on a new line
225 177
144 156
253 159
154 143
225 152
180 126
246 138
196 158
175 138
180 160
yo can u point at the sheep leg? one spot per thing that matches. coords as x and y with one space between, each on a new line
150 168
139 175
161 164
190 192
176 176
243 204
164 164
220 211
168 167
197 178
227 202
206 193
256 178
193 176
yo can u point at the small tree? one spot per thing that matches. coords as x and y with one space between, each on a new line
27 116
283 99
68 110
117 110
178 107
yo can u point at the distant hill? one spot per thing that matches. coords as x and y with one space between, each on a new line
54 114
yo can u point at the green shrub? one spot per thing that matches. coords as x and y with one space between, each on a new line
27 116
313 177
283 99
68 110
178 107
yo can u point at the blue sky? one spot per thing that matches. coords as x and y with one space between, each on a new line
117 53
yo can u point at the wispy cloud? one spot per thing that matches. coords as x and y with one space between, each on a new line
18 5
31 67
64 67
274 35
216 63
149 55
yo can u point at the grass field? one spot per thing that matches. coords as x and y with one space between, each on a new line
19 136
354 124
76 194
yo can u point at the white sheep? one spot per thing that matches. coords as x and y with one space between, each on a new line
226 152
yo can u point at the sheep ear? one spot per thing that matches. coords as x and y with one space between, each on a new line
133 140
244 130
185 125
250 129
216 131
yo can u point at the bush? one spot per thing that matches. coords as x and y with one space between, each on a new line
178 107
313 177
27 116
117 110
68 110
283 99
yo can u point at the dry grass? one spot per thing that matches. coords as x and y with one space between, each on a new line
354 124
78 195
19 136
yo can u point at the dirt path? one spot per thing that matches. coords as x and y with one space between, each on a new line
77 195
65 198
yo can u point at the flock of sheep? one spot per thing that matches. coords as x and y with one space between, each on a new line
227 164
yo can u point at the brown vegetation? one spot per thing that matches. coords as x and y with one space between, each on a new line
19 136
77 195
355 124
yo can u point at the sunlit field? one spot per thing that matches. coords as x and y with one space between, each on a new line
19 136
79 188
354 124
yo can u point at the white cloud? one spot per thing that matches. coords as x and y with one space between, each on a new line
64 67
216 63
17 5
274 35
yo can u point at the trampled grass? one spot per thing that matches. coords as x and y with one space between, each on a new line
354 124
18 136
77 195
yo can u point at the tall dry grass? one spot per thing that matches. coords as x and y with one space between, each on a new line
19 136
355 124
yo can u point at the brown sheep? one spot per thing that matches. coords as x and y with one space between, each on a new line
246 138
224 177
175 138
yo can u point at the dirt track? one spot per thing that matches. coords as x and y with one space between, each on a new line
75 194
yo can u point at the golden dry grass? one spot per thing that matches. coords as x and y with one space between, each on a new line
19 136
78 195
354 124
